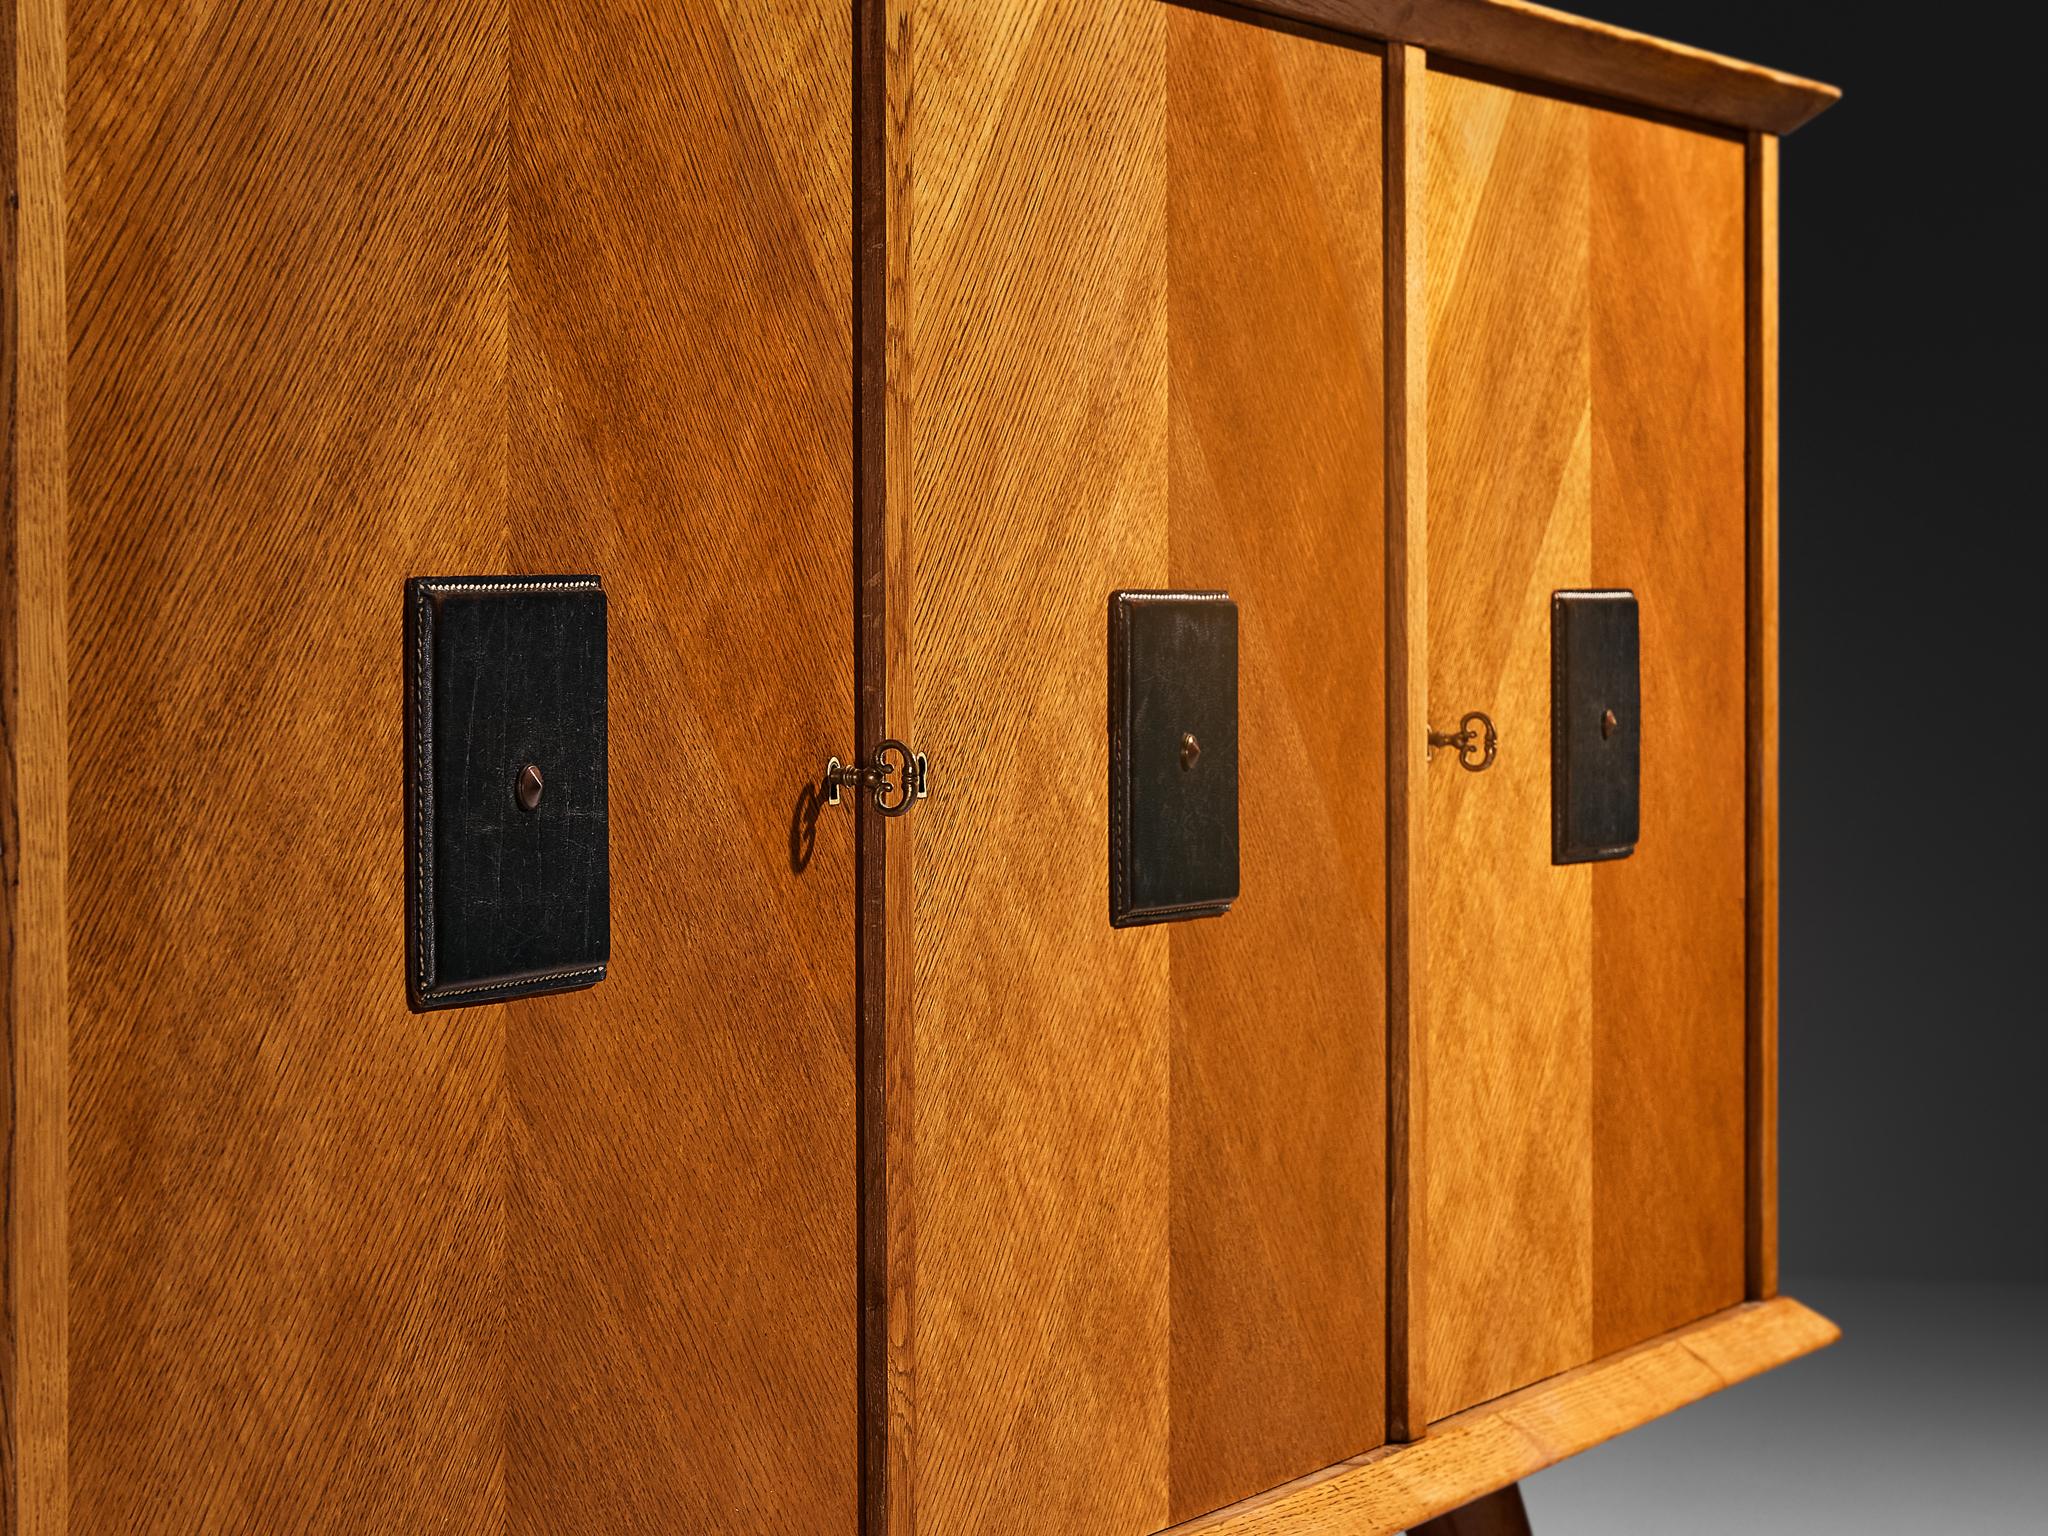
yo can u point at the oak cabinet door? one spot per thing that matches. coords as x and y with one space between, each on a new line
1585 1057
376 290
1140 340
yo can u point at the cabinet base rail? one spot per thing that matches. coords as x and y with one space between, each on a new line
1496 1443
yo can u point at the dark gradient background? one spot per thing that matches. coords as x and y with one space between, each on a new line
1914 1074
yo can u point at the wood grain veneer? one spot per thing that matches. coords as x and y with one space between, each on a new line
1276 480
1509 1183
336 295
1670 1085
1512 1437
1140 331
286 1196
1027 174
1586 1062
682 1251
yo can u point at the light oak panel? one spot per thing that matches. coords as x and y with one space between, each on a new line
1669 1072
1032 171
1503 1441
1278 1095
1586 1068
1509 1061
1140 339
376 290
682 1249
287 394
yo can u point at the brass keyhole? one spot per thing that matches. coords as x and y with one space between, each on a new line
1608 724
1190 749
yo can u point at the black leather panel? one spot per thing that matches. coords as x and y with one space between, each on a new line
505 901
1595 760
1173 811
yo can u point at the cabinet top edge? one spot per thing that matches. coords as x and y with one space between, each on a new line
1537 43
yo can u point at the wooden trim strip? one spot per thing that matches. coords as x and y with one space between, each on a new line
34 686
10 789
1407 650
897 1055
870 378
1538 43
882 689
1761 1189
1512 1437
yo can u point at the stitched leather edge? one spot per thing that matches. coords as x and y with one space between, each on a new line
422 807
1560 763
1119 777
539 980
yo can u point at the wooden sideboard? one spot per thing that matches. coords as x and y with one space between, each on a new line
864 348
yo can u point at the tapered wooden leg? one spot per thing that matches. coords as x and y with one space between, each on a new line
1498 1514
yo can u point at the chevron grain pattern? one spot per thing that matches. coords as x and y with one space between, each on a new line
366 290
1276 485
1142 328
1032 170
681 1195
1586 421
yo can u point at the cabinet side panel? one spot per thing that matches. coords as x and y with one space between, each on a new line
681 1241
1034 171
1510 1019
1275 336
1669 523
287 321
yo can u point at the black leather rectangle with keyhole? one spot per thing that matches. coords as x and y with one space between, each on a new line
1595 726
1172 756
508 855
